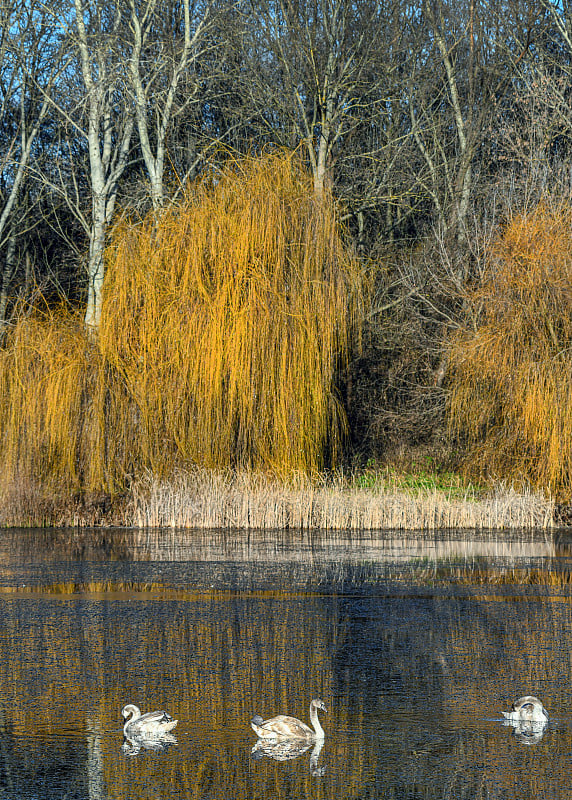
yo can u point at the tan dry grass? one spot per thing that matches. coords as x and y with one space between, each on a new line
208 499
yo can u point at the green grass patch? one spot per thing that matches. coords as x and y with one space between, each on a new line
420 478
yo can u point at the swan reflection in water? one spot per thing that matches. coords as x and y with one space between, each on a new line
133 745
287 749
528 718
527 731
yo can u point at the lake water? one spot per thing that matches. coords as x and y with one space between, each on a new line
414 644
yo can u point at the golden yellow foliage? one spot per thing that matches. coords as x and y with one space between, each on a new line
225 320
511 378
49 381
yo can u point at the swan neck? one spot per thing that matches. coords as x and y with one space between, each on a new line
135 713
316 722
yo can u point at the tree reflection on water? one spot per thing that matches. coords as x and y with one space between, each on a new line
414 651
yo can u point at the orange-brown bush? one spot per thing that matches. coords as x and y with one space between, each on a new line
511 377
224 322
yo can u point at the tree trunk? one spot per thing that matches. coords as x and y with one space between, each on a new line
95 266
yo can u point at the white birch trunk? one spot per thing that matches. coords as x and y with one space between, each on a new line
108 144
163 105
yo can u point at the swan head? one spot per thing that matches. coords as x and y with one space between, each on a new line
319 704
130 711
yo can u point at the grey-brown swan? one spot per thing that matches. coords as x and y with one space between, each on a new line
284 727
527 709
154 723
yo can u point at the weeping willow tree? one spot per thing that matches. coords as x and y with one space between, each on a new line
225 322
511 377
228 318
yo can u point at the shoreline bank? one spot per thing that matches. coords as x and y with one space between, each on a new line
245 501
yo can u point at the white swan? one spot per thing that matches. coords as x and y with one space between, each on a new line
153 723
284 727
527 709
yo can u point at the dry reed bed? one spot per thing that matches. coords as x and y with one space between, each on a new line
203 499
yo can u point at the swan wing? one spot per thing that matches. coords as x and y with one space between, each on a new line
152 723
154 717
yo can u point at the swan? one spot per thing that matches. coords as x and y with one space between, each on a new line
527 709
154 723
284 727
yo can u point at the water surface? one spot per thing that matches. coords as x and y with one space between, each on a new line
414 644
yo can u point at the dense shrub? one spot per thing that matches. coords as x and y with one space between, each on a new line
510 395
